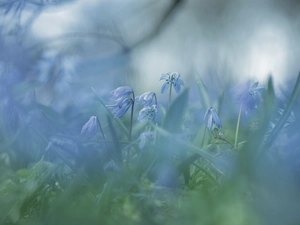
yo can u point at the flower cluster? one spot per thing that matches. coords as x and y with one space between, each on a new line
149 110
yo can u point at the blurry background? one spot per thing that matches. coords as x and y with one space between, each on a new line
53 51
63 47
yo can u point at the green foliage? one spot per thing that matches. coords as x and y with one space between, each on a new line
184 174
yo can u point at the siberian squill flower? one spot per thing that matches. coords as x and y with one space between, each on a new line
120 96
148 112
145 137
249 95
121 93
121 107
173 79
211 117
146 99
90 128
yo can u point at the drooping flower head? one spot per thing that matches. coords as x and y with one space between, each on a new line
146 99
121 107
123 102
90 128
145 138
249 95
171 78
121 93
211 117
148 112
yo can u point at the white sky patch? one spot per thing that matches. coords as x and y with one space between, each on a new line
268 53
57 20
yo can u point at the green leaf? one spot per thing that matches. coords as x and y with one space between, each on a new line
286 113
203 93
174 117
116 151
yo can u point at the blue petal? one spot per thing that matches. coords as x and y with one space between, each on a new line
209 122
142 114
122 108
165 76
164 87
177 88
180 82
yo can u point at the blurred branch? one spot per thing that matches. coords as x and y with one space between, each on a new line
116 38
77 35
160 24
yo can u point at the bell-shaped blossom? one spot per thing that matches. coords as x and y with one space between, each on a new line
211 117
249 95
90 128
171 78
145 138
120 96
146 99
148 112
121 107
121 93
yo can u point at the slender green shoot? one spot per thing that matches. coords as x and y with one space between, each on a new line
238 126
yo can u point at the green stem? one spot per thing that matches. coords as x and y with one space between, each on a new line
170 92
207 174
130 126
155 99
238 126
101 129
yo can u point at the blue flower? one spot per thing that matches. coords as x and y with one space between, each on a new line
121 93
211 117
90 128
146 99
145 137
249 95
171 78
120 96
148 112
121 107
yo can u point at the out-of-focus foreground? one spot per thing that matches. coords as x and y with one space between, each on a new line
149 112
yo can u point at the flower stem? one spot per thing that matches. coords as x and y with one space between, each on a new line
130 126
101 130
155 99
238 126
207 174
170 92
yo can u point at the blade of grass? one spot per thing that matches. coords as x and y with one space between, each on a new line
285 115
203 93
